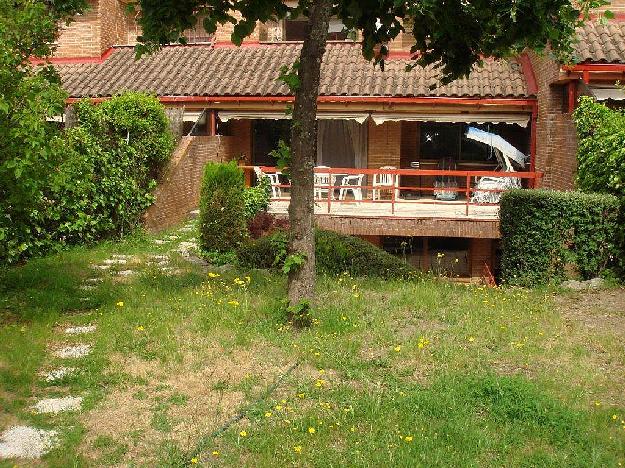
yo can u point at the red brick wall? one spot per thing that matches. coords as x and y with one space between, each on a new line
178 191
82 37
556 140
384 145
481 252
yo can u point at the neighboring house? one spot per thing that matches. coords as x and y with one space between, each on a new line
225 102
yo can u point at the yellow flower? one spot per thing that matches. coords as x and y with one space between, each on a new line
471 339
248 279
140 328
301 395
319 383
234 303
397 348
268 414
194 460
213 275
597 403
408 438
120 304
278 407
215 453
243 434
311 430
297 449
614 417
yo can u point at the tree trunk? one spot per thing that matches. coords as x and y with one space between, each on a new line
304 150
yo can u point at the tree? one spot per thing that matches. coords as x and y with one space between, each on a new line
453 35
28 95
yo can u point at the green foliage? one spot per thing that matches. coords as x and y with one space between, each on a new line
293 262
222 208
335 254
299 314
456 36
601 155
544 231
256 199
283 155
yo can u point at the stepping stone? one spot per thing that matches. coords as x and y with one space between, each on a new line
80 330
126 273
58 374
120 256
87 287
77 351
186 229
26 442
56 405
92 280
172 238
115 261
101 267
160 241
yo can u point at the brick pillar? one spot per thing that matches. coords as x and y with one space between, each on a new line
481 252
384 145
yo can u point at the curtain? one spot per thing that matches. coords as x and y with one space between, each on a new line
341 143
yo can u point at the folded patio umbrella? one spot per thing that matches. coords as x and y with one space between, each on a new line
491 139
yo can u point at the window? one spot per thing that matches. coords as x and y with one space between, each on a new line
295 29
265 137
440 141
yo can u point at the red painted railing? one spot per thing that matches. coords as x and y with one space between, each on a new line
466 185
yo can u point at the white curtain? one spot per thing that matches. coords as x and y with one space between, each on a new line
341 143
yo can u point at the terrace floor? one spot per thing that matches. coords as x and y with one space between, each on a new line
420 208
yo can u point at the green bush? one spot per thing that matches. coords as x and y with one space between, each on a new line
544 231
99 180
257 198
222 220
335 254
601 155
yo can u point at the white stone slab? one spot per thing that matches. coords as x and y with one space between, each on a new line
58 374
26 442
77 351
115 261
80 330
56 405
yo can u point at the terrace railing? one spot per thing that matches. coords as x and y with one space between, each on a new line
407 186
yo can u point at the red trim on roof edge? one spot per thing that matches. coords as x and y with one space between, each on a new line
528 71
442 100
61 60
606 67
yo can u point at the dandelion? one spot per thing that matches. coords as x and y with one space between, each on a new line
597 403
297 449
194 460
343 318
397 348
243 434
471 339
408 438
234 303
311 430
268 414
423 342
140 328
319 383
614 417
213 275
279 407
215 453
120 304
248 279
301 395
353 428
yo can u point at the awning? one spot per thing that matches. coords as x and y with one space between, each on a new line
519 119
607 93
192 116
224 116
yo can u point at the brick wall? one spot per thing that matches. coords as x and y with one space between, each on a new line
82 37
384 145
178 191
556 140
481 252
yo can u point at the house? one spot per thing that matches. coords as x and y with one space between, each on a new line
411 165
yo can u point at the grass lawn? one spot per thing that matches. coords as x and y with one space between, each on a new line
199 368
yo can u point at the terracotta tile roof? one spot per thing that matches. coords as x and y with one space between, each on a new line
601 43
252 71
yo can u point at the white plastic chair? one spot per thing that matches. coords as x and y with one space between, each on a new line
355 183
323 181
388 181
274 179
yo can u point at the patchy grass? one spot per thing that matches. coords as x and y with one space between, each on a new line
201 367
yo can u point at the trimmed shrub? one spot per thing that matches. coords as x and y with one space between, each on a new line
545 231
335 254
222 219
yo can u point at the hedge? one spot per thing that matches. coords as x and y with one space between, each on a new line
222 220
544 232
335 254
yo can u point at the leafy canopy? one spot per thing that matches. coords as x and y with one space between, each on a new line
453 35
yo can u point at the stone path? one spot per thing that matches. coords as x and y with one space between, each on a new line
32 443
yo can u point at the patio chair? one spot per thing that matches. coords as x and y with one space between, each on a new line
323 181
355 186
274 179
385 182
